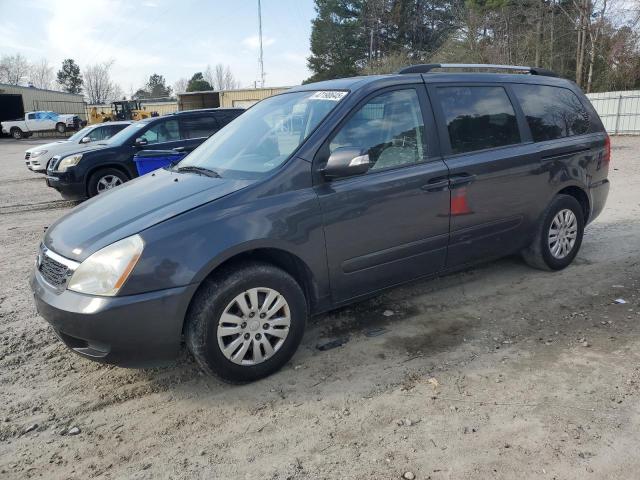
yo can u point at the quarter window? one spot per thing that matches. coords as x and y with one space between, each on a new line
478 118
389 127
166 131
552 112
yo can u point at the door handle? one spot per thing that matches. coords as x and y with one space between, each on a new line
436 186
460 180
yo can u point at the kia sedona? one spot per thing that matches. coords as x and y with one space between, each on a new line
83 174
319 197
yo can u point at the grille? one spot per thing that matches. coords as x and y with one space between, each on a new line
53 272
27 155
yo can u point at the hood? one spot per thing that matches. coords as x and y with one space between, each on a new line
131 208
47 146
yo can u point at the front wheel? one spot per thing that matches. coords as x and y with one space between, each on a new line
61 128
558 235
246 322
105 179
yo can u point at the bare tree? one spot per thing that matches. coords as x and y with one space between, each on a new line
41 75
221 77
13 69
181 85
98 85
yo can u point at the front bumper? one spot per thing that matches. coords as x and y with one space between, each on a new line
66 183
131 331
36 166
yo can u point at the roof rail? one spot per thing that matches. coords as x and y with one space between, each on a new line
427 67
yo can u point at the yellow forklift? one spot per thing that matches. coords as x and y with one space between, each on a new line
121 110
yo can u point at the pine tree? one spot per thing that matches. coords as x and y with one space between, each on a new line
69 76
338 46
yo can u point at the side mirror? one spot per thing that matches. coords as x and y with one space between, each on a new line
85 140
345 162
141 142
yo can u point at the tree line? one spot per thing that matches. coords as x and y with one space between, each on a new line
96 84
594 42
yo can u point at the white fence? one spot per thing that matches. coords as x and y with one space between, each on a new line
619 111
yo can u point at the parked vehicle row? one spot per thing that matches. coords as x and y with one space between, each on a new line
311 200
40 122
37 158
87 173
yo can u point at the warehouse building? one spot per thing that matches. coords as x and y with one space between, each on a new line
15 101
241 98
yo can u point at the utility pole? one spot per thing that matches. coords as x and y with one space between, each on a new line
260 37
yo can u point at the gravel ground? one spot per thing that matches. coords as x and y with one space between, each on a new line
500 371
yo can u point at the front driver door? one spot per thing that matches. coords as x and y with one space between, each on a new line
391 224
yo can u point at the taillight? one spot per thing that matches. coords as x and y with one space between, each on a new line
607 149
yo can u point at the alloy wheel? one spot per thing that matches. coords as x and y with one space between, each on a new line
253 326
108 182
563 233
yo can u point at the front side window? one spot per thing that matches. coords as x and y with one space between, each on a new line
389 127
265 136
198 126
478 118
100 133
164 131
552 112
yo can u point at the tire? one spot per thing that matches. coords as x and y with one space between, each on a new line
61 127
99 182
17 133
218 295
540 254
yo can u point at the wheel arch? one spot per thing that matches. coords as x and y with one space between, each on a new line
278 257
581 196
101 166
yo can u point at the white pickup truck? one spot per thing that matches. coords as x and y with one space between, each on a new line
40 122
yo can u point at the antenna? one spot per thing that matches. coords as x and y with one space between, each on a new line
261 60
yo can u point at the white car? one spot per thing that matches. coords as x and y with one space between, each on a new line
37 157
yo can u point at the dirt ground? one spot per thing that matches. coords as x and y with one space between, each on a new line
501 371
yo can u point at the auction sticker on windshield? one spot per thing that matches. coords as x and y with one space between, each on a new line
334 95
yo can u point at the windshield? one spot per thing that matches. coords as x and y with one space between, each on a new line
125 134
80 134
264 136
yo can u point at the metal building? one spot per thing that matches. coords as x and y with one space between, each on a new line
15 101
242 98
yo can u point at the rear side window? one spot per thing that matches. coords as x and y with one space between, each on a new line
478 118
226 117
552 112
198 126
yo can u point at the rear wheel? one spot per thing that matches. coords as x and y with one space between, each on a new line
61 127
558 235
105 179
246 322
17 133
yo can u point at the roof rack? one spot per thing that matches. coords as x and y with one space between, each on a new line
428 67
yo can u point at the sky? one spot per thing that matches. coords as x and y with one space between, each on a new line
174 38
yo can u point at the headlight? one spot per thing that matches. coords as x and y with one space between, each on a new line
37 153
67 162
104 272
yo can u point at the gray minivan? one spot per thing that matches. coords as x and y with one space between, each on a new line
319 197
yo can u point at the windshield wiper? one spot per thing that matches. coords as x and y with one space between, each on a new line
201 170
